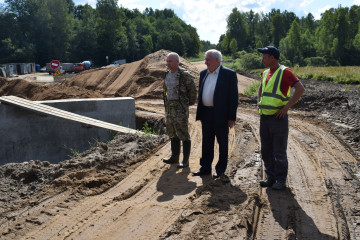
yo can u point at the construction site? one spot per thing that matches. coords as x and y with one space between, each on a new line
82 158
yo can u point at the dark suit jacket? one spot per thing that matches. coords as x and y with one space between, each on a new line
225 96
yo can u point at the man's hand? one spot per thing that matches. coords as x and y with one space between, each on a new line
282 112
231 123
299 90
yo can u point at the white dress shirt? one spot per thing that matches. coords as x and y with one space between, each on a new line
209 88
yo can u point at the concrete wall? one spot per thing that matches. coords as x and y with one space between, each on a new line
26 135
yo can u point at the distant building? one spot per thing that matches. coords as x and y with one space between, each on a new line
12 69
118 62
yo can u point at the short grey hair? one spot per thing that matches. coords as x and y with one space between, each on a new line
214 54
175 55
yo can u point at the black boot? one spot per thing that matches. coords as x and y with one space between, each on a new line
175 152
186 153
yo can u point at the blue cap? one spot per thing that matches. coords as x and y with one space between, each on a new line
271 50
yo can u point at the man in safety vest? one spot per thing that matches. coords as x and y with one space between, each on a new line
274 101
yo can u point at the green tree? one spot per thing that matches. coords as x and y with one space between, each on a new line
233 46
277 28
146 45
290 46
84 43
61 25
224 43
237 28
134 47
109 28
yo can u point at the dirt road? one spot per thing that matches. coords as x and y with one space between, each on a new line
158 201
122 189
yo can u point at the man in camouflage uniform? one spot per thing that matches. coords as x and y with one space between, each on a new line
179 94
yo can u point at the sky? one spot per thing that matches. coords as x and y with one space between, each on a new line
209 16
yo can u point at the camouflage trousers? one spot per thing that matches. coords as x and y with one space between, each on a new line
177 120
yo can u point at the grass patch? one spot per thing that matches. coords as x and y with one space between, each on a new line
201 57
198 58
252 89
344 75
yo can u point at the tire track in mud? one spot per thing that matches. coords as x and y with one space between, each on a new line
142 206
308 209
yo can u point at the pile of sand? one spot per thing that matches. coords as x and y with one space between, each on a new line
33 91
141 79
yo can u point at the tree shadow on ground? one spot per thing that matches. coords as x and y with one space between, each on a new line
174 181
291 217
221 195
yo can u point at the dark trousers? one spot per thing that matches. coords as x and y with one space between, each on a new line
210 130
274 137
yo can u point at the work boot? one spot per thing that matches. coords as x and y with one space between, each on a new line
279 185
186 154
268 182
175 152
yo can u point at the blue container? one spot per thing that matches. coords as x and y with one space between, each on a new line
87 64
37 67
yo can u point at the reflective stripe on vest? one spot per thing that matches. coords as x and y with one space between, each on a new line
272 99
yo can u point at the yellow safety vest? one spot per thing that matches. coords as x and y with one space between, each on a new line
272 99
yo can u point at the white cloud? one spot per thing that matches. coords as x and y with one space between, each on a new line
317 15
306 3
209 16
132 4
356 2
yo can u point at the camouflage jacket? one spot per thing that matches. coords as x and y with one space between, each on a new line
186 88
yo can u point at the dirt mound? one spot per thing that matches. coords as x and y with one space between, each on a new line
33 91
91 172
141 79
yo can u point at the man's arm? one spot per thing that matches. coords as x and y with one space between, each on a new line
259 93
191 88
234 99
299 91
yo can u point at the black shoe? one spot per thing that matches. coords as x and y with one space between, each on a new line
217 175
183 164
279 185
268 182
222 176
171 160
201 173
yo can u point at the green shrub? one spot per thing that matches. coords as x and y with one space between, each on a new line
252 89
315 61
250 61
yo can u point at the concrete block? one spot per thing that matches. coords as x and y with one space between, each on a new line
28 135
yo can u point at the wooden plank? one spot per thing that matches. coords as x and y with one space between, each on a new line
48 110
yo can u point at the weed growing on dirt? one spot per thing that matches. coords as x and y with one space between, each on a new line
74 152
112 135
147 130
95 142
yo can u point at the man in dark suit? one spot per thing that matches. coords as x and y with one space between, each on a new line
217 104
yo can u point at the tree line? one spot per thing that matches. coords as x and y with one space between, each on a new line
42 30
332 40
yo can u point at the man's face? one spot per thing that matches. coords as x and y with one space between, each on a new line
267 59
211 63
172 63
